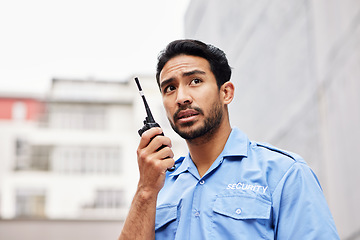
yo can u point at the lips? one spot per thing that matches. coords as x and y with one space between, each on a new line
184 114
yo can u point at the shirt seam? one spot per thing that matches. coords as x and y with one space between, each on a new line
277 186
286 173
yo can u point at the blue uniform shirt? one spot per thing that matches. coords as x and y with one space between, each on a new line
251 191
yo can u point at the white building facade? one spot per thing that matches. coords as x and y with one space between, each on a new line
71 154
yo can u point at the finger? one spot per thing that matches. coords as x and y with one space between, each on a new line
157 161
166 158
159 142
165 152
155 151
148 135
167 163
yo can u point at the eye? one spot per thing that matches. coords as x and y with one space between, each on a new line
195 81
168 89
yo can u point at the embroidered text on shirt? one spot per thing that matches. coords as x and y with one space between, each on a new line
244 186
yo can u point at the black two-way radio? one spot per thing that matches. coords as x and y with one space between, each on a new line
149 121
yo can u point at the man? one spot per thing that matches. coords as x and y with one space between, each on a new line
227 187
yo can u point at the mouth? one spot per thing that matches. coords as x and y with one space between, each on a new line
186 115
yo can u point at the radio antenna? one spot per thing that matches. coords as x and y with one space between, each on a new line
148 112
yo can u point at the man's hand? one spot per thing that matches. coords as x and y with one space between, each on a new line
154 158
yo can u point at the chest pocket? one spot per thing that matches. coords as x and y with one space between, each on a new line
242 207
241 217
166 221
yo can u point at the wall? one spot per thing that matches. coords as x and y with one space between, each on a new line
296 67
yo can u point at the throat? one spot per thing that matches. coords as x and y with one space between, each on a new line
204 151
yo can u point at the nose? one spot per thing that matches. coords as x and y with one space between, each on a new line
183 96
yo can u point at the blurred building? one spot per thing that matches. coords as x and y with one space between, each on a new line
296 68
68 158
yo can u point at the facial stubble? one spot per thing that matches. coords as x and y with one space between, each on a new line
208 128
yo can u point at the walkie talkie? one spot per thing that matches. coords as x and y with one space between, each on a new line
149 121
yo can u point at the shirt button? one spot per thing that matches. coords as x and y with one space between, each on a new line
197 214
202 182
238 211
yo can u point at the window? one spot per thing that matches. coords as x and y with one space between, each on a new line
86 160
22 150
30 203
40 157
67 159
75 116
109 198
32 157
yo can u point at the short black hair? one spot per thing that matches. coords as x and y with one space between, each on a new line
216 57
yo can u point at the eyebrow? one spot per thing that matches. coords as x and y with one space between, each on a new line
165 82
186 74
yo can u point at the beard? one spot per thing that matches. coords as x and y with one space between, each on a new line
208 128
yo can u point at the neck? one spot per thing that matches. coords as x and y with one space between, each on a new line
204 150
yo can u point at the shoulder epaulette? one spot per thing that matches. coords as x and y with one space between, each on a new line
274 149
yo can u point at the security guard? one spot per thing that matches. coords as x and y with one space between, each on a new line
226 187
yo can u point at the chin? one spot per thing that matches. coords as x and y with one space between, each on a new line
190 132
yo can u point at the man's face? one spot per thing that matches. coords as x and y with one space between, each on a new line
191 96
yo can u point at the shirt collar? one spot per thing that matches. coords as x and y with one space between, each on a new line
236 145
184 165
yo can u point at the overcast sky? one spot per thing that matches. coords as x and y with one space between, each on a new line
101 39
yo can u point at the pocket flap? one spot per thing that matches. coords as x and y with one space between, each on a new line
242 207
165 215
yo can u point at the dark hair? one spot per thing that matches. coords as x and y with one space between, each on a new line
216 57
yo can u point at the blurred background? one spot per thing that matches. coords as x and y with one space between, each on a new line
70 111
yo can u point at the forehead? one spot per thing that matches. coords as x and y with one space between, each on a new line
182 64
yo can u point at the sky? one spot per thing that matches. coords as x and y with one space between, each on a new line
82 39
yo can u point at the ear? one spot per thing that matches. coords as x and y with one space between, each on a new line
227 92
